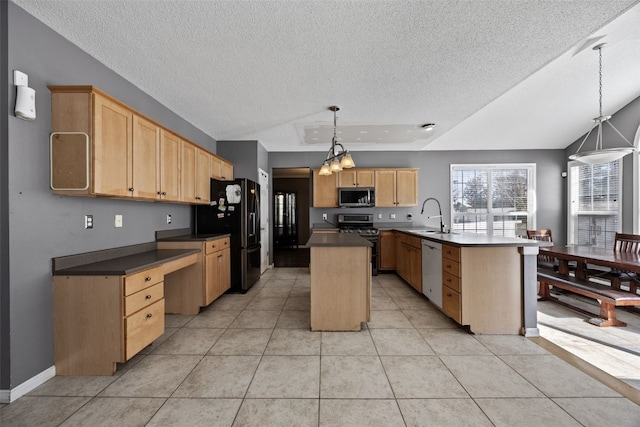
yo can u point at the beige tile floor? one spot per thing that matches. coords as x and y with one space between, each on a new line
250 360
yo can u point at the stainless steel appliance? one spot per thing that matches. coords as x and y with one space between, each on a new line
362 225
432 271
356 197
235 209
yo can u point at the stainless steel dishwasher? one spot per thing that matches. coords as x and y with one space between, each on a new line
432 271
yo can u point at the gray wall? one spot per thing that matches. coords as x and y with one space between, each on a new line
4 202
627 121
434 178
42 226
247 157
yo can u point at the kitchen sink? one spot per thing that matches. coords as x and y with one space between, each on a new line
429 232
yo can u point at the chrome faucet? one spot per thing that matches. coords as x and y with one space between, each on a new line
434 216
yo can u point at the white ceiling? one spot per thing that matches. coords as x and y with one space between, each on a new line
494 74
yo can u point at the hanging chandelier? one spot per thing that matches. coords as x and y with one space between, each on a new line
600 154
337 157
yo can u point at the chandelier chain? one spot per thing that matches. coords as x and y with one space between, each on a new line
600 78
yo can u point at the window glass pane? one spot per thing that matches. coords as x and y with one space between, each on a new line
470 222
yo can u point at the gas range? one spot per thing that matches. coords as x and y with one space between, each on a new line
361 224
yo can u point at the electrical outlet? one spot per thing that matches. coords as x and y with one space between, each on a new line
20 78
324 217
88 221
392 216
118 221
169 219
379 216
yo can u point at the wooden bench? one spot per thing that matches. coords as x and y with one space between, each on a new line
608 297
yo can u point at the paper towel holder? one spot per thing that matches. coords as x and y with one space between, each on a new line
25 97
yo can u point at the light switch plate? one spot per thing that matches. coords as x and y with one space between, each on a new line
118 221
324 217
20 78
379 216
169 219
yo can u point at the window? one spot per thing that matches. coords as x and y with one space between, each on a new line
494 199
594 203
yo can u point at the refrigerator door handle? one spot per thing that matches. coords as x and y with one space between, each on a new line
252 223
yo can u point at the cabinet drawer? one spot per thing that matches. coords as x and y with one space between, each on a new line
139 281
143 298
451 303
451 267
451 281
216 245
451 252
143 327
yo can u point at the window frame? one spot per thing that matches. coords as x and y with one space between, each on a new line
531 189
572 234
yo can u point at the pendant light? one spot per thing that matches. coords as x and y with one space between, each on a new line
600 154
337 157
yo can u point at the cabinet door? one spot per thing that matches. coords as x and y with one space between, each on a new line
188 172
111 161
216 167
226 171
224 270
406 187
365 177
203 177
347 178
385 183
416 269
145 159
169 166
325 190
387 259
211 278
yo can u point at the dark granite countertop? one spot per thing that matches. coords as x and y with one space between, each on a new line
117 265
193 237
337 239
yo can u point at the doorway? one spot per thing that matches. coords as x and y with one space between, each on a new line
264 219
290 225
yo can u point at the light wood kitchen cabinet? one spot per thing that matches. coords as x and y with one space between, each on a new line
387 257
200 284
451 300
169 167
409 260
221 169
396 187
325 190
128 155
103 320
145 159
196 174
356 178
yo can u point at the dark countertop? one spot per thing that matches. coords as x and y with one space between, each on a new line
468 239
194 237
324 226
337 239
125 265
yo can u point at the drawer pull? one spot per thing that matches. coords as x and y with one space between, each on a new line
164 193
448 265
220 256
131 189
147 279
149 316
449 295
148 297
449 280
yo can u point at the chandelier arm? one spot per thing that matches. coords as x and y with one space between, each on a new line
584 140
599 137
618 132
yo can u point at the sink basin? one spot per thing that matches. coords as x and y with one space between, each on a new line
425 232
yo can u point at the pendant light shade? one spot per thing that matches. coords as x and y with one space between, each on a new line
337 157
600 154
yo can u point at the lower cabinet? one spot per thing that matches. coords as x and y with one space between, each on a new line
99 321
451 297
201 283
409 259
387 254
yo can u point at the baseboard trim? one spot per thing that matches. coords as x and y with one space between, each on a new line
8 396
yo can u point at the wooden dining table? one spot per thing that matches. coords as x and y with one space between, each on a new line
583 255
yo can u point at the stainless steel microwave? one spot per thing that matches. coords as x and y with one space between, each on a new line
356 197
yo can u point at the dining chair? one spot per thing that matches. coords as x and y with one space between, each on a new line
544 261
623 243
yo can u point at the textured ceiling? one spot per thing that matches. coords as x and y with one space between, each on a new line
492 74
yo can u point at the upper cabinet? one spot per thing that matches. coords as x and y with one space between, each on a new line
101 147
221 169
356 178
396 187
325 190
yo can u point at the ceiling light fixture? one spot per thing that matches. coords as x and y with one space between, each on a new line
337 157
428 127
600 154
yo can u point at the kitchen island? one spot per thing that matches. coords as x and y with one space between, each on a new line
488 283
340 268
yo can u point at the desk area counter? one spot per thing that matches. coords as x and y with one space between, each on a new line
340 281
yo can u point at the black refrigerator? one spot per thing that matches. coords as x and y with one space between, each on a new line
235 209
